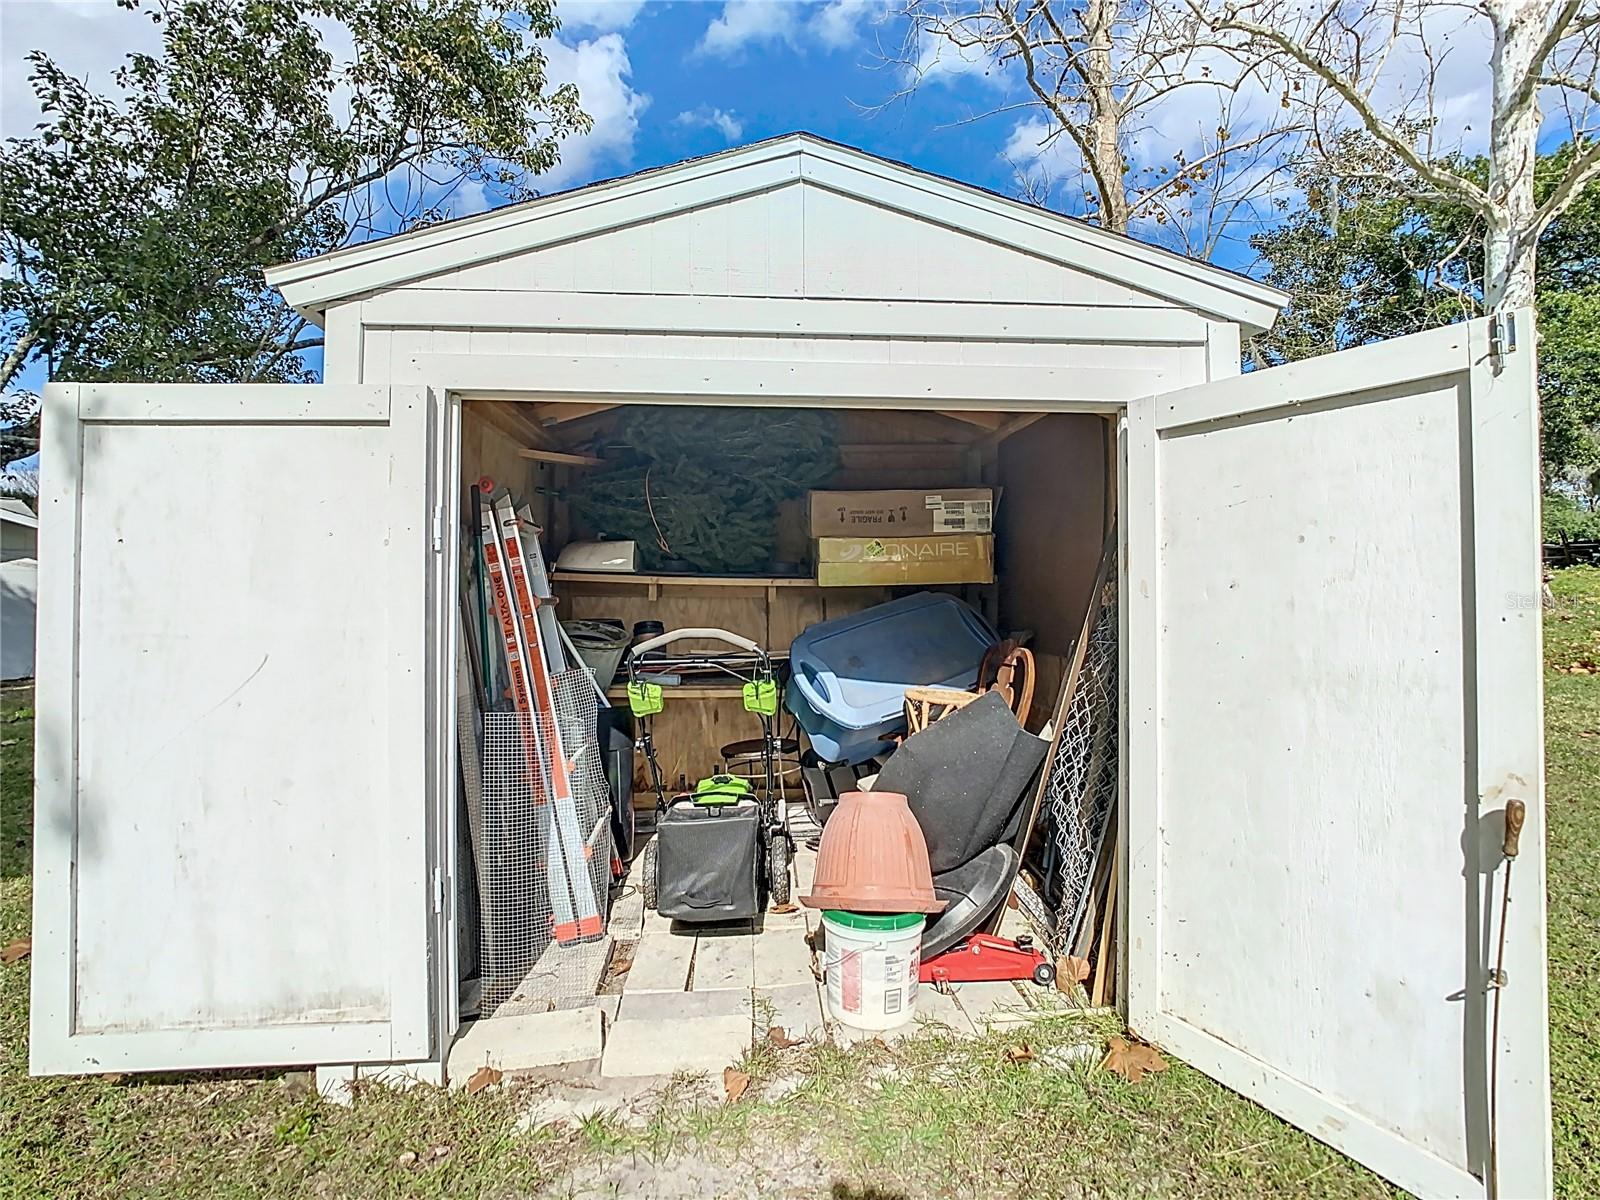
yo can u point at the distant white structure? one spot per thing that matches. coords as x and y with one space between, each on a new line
19 530
19 591
19 586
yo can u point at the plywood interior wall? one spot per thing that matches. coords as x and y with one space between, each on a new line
1051 525
490 452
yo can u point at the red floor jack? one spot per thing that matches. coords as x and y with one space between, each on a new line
981 958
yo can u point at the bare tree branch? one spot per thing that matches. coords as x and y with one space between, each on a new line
1580 171
1564 16
1445 181
1099 71
1587 87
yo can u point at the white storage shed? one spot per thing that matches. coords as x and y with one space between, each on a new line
1330 627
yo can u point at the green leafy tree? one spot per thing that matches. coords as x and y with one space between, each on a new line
136 225
1368 258
19 428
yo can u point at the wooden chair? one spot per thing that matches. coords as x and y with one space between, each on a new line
1008 668
925 705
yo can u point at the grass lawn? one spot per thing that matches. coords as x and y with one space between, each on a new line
1572 782
931 1117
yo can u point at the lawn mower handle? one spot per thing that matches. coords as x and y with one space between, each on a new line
678 635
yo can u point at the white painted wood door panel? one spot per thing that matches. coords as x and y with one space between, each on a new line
232 785
1334 686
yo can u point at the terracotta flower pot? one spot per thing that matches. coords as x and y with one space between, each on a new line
873 858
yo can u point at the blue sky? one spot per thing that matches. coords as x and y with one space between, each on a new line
703 99
666 81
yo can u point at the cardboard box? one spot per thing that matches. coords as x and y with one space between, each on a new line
902 513
883 562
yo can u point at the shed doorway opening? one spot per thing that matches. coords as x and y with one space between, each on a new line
654 518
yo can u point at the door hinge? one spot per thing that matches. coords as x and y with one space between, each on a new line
438 528
438 890
1502 334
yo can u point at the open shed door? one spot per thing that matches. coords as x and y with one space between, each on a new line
232 766
1333 652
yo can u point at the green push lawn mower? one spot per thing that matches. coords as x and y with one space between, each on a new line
722 849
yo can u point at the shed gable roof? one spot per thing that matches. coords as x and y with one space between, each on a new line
312 285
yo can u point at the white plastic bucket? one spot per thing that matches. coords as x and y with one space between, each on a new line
872 967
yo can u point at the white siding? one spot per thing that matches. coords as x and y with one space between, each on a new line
796 240
794 273
854 249
1168 360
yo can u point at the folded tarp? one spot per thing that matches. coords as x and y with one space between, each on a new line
965 776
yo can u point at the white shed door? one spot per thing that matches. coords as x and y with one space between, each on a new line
1333 653
232 781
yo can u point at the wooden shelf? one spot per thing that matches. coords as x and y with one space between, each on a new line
654 581
562 458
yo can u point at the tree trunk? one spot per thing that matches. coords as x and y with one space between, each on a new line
1509 244
1105 120
17 356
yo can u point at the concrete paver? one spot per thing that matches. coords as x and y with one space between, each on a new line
566 1042
665 1047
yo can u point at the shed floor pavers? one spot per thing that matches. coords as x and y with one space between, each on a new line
697 996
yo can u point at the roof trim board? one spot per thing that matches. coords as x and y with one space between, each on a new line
779 316
313 284
18 513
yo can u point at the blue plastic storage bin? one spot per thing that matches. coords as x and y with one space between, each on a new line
849 675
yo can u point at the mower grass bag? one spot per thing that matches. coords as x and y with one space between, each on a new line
708 861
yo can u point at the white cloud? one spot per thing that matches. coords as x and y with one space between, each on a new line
1036 154
837 24
941 61
602 16
89 39
832 24
601 70
745 23
706 117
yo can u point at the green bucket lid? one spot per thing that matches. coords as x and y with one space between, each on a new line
878 922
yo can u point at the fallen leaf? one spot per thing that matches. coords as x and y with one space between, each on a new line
1132 1061
484 1076
734 1083
621 961
112 1077
785 908
778 1038
1020 1053
408 1159
1071 970
17 950
438 1153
